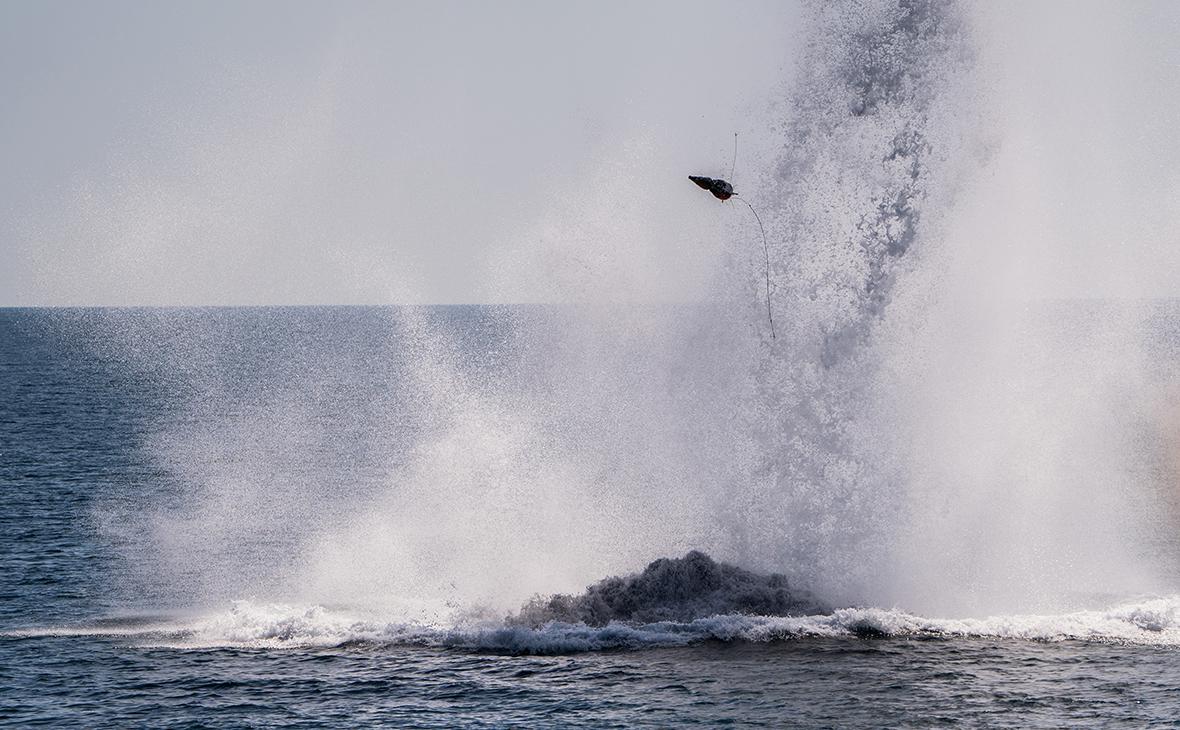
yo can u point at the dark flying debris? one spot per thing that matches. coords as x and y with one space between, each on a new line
720 189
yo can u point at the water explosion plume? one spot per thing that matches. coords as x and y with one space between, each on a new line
915 435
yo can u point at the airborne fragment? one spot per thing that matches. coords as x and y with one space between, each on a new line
720 189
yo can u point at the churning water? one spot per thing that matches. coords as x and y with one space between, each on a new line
953 503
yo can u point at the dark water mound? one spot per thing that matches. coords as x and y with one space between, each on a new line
674 589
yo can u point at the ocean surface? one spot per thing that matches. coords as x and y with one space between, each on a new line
111 420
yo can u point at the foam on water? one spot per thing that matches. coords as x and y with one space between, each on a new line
1148 621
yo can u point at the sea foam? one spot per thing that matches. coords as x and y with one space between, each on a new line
1153 621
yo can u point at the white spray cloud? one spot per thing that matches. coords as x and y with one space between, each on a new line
925 431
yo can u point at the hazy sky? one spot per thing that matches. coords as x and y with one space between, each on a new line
288 152
379 152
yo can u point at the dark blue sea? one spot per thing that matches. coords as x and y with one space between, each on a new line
173 479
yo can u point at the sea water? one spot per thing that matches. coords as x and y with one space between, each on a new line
106 623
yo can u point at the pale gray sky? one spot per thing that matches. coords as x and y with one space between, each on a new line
284 152
384 152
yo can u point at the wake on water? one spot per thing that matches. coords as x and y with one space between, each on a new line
907 440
